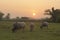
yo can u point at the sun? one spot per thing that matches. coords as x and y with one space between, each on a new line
34 14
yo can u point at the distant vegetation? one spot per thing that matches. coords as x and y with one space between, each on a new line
54 13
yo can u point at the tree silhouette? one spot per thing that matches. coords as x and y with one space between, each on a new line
1 15
8 16
55 14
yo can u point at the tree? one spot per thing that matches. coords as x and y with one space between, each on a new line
8 16
55 14
17 18
24 17
1 15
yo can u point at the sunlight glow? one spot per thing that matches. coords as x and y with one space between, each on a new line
34 14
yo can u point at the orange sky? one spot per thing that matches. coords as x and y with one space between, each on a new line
27 7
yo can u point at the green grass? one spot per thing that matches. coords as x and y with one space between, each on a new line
53 33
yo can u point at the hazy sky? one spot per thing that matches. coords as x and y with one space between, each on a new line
27 7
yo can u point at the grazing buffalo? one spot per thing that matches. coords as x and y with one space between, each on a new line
44 24
18 25
31 26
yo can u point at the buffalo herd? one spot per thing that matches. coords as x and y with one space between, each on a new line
22 25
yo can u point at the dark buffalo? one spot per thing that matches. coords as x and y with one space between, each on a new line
31 26
18 25
44 24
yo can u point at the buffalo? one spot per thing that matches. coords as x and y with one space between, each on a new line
18 25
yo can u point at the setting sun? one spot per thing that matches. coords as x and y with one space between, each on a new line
34 14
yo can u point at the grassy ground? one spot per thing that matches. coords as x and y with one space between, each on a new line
53 33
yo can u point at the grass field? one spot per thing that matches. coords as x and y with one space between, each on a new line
53 33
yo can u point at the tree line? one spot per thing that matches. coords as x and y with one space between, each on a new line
54 13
